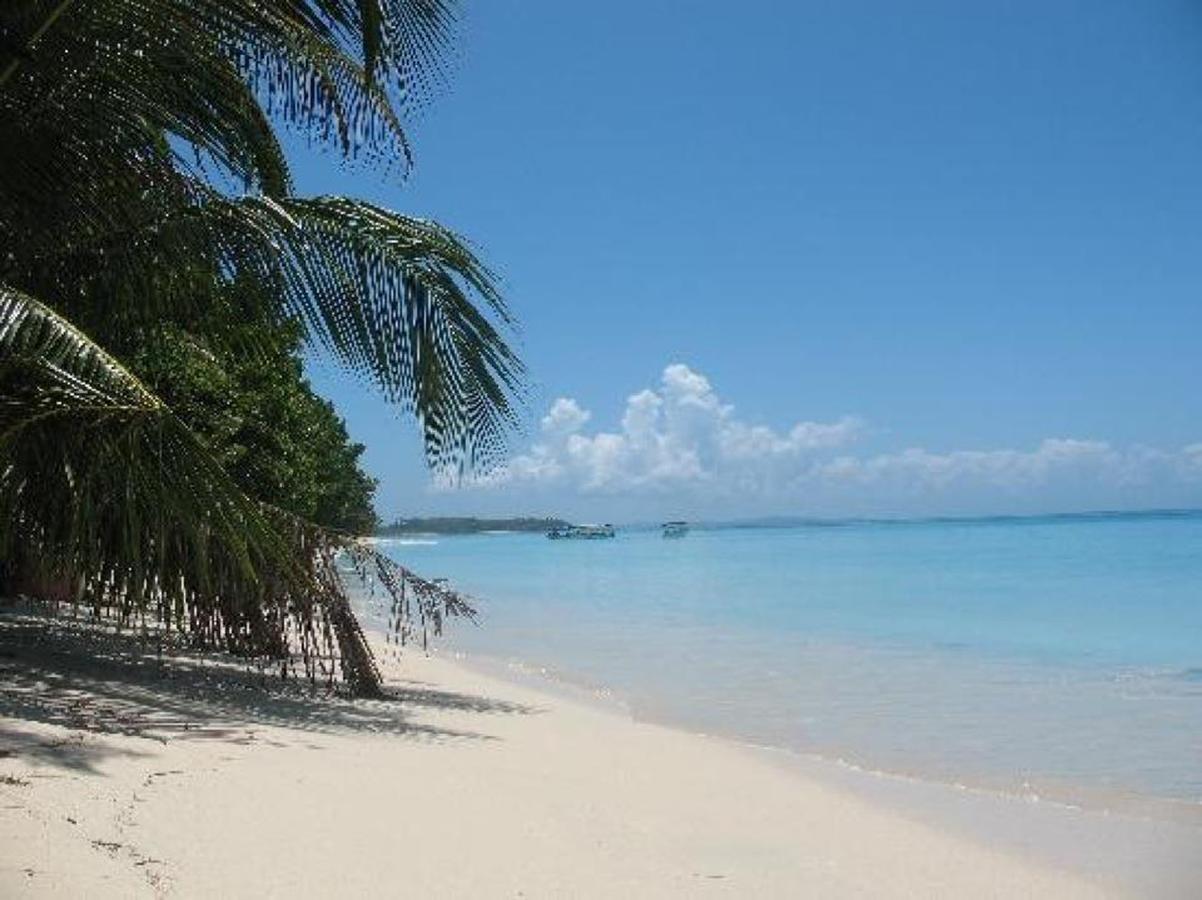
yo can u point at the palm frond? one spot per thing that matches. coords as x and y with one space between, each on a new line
211 73
391 296
106 494
140 176
402 301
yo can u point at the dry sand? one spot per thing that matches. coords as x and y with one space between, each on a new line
127 779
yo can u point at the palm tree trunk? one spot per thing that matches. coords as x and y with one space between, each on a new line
359 668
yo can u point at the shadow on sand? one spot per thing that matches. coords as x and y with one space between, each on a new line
91 680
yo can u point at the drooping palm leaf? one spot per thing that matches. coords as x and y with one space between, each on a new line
108 495
128 128
101 481
346 65
389 295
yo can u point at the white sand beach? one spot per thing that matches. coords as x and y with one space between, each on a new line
129 780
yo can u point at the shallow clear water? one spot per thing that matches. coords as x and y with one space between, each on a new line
1058 656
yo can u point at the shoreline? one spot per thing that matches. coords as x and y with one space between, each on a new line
1071 679
1113 835
1066 795
124 777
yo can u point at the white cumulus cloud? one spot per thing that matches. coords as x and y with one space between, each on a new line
678 439
675 434
564 417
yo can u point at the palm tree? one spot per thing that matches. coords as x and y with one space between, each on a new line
141 172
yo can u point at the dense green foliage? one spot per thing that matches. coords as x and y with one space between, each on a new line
236 379
161 458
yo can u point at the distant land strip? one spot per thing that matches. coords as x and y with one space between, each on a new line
468 525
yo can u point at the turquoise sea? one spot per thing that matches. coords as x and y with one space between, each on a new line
1052 656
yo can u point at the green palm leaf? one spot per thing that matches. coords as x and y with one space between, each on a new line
140 177
103 488
391 296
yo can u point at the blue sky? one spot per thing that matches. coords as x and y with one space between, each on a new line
963 238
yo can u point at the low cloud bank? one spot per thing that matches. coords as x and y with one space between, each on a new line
679 438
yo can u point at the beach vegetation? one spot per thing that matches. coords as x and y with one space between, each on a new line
162 461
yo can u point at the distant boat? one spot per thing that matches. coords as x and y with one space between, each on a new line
581 532
675 529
